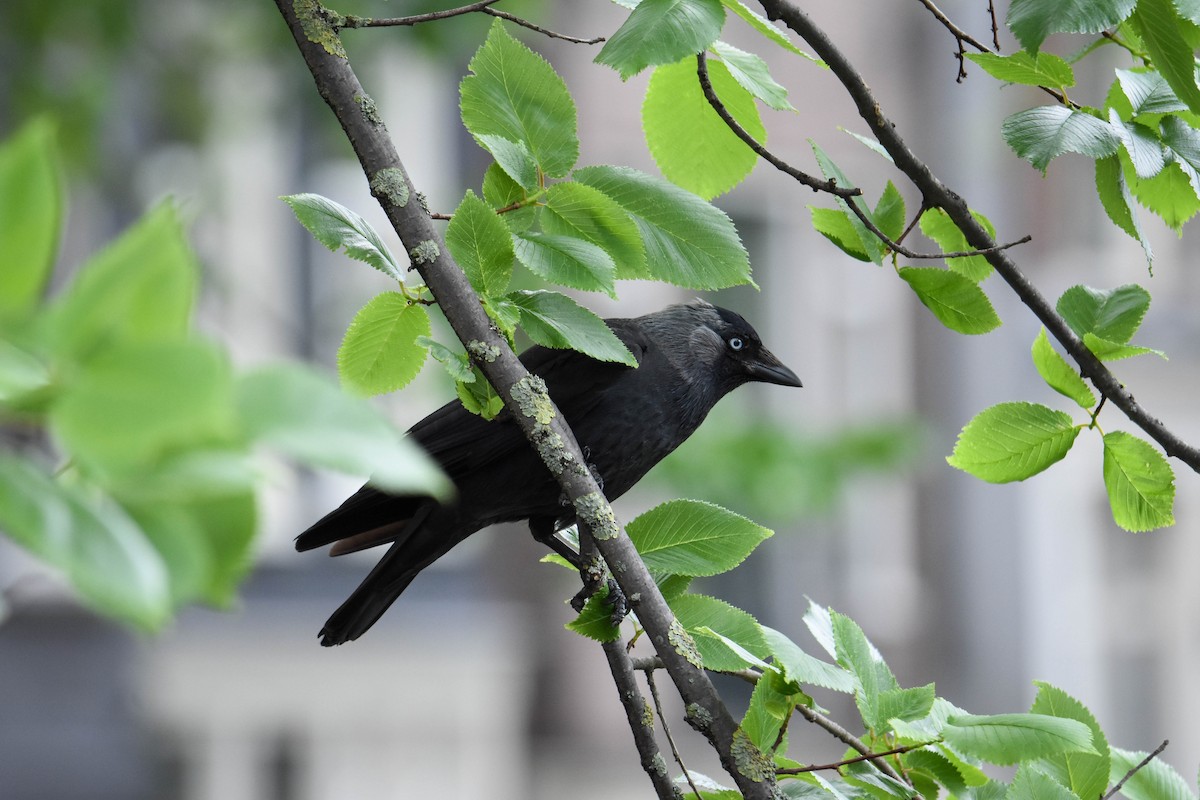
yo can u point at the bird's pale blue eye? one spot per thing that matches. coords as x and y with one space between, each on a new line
736 343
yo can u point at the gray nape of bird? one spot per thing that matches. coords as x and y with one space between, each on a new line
627 420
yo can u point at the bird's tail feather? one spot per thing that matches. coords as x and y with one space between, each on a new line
362 610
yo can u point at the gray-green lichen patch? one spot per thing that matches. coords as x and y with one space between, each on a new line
751 761
389 184
426 252
533 400
595 512
320 26
647 716
698 717
684 644
369 109
482 351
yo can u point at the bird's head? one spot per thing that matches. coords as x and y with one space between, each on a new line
722 344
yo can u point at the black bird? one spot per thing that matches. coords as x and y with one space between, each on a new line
627 420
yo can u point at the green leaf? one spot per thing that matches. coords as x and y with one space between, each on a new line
96 545
1182 143
133 404
1142 145
573 209
1031 784
516 95
1009 738
859 656
752 74
306 417
138 289
501 191
938 768
457 364
906 704
955 300
339 228
481 244
1139 481
1158 24
802 668
1043 133
764 26
513 157
380 352
837 227
1148 93
769 709
478 396
869 241
688 242
1115 197
1157 780
1058 374
555 320
937 225
567 261
1106 350
930 728
1114 315
1170 194
30 216
1031 21
697 612
21 374
870 143
662 32
1084 774
690 143
595 620
690 537
1013 441
1038 69
889 214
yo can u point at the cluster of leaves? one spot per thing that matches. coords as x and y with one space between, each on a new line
1014 441
1145 135
579 227
151 502
1058 748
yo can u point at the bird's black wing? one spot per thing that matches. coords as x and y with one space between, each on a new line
462 442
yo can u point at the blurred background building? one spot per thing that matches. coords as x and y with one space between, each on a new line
470 686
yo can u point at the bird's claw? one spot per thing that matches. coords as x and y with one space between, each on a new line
615 599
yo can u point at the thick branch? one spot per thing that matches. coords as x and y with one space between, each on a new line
937 194
540 421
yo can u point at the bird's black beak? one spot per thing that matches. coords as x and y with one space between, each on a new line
767 368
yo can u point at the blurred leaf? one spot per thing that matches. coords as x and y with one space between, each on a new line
140 288
302 415
1157 780
99 548
30 216
135 403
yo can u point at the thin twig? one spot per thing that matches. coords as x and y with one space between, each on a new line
667 731
846 762
417 19
838 732
1158 750
995 27
524 23
847 194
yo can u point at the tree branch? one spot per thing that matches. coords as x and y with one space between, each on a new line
939 195
313 28
845 193
847 761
